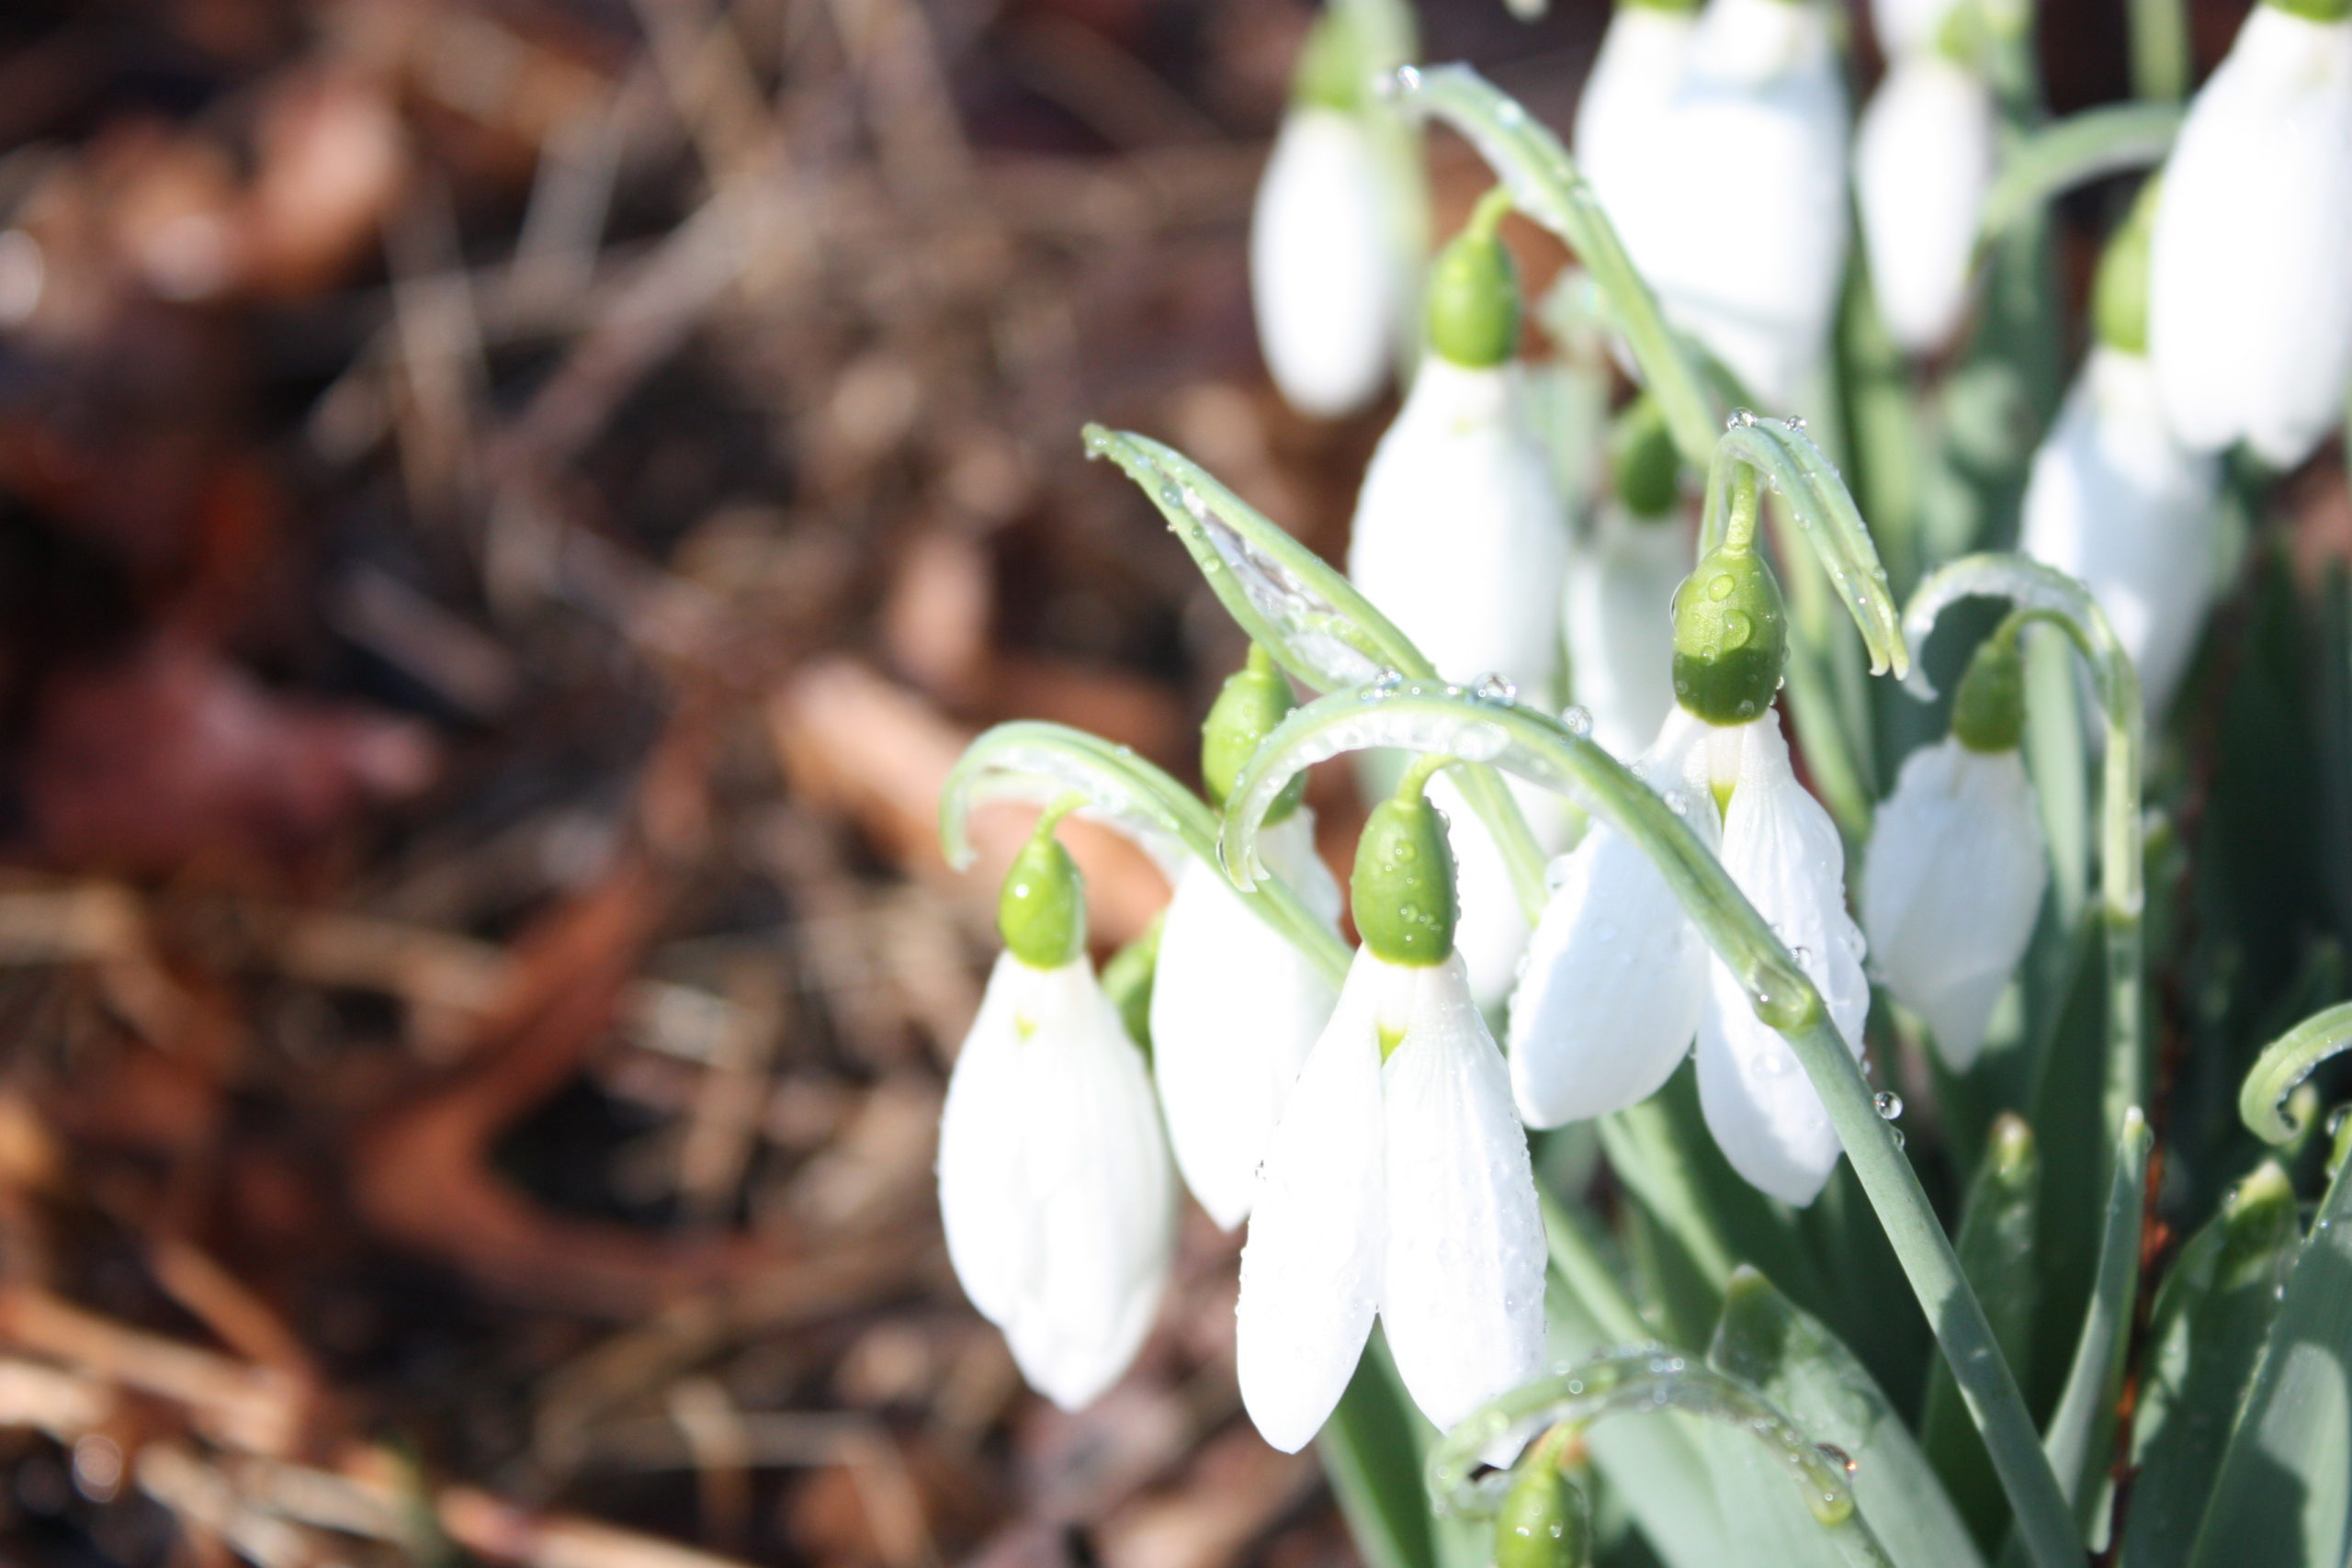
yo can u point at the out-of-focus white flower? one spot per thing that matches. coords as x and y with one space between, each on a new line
2250 293
1618 980
1322 265
2115 498
1909 27
1955 876
1621 579
1234 1009
1460 538
1621 108
1923 160
1397 1184
1742 226
1054 1186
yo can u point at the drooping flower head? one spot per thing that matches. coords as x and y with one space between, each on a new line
1622 575
1054 1186
1957 861
1323 269
1397 1182
1619 981
1461 539
1923 162
1234 1006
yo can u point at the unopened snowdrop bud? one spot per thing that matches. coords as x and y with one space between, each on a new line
1460 538
2250 298
1323 268
1402 891
1742 225
2115 498
1396 1184
1923 160
1234 1007
1957 861
1055 1187
1545 1521
1621 110
1621 581
1731 637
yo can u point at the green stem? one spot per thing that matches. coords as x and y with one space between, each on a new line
1535 747
2160 50
2086 146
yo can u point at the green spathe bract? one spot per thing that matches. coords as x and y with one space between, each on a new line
1643 461
1731 637
1041 909
1402 889
1253 700
1988 712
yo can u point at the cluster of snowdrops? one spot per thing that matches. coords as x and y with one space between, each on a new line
1641 875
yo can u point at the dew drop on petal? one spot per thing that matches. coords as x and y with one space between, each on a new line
1889 1104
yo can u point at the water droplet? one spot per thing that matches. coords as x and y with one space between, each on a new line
1678 802
1509 113
1797 424
1737 628
1493 687
1803 956
1899 1139
1741 418
2335 1119
1889 1104
1556 874
1639 767
1746 707
1720 586
1577 722
1840 1458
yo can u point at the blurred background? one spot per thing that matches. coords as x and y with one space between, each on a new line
508 511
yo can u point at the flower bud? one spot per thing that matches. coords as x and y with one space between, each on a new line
1731 637
1988 713
1402 888
1041 911
1255 698
1545 1521
1474 293
1643 458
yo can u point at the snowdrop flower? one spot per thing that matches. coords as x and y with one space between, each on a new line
2115 499
1323 267
1397 1182
1742 228
1460 538
1923 160
1622 106
1619 981
1621 576
2250 296
1234 1006
1055 1188
1957 864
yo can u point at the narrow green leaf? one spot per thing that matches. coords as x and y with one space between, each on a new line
1805 1370
1996 1247
2286 1062
2079 1438
2210 1322
1374 1466
2083 147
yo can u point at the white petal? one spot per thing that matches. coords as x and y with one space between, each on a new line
1322 267
1617 610
1101 1192
1642 58
982 1206
1782 849
1462 1292
1491 935
1906 27
1743 228
1235 1009
1310 1271
1923 159
1955 876
2250 299
2115 500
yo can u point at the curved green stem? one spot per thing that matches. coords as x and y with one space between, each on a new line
2287 1062
1306 615
1543 183
1070 769
2046 595
2086 146
1537 748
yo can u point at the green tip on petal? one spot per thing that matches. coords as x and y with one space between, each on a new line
1331 71
1988 712
1474 292
1545 1521
2315 10
1731 637
1255 699
1402 889
1041 910
1647 469
2119 294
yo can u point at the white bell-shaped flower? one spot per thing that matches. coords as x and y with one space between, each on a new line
1620 578
1234 1009
1906 27
1054 1186
1322 269
2250 296
1460 537
1401 1188
1923 160
1621 108
1743 230
2115 498
1955 876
